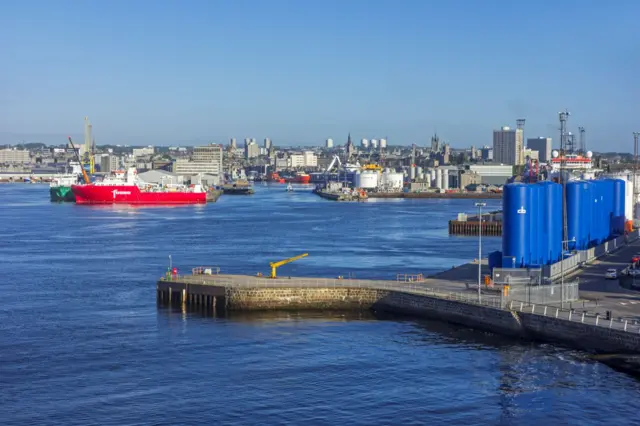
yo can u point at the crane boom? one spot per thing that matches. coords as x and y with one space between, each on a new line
84 172
275 265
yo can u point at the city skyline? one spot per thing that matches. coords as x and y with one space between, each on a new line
175 75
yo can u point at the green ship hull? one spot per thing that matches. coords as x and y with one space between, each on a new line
62 194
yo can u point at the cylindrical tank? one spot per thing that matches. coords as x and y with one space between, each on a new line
628 200
433 173
383 143
597 216
445 179
495 260
586 219
438 178
393 180
412 172
534 224
516 223
364 143
619 205
574 205
418 170
367 180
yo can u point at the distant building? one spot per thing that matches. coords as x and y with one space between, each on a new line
508 146
267 144
364 143
233 144
532 154
109 163
435 143
329 143
469 178
492 174
543 146
306 159
251 150
143 152
383 143
204 160
486 153
14 156
160 177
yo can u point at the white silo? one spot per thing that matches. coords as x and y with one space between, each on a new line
364 143
419 173
412 172
438 178
383 143
374 143
445 179
367 179
395 180
432 178
329 143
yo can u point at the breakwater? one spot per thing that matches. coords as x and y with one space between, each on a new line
495 314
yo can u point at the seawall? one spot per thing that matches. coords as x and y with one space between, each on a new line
457 308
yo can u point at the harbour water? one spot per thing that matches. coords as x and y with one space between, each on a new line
83 342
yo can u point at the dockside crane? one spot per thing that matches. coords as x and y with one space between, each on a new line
275 265
84 172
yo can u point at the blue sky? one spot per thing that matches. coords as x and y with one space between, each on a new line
171 72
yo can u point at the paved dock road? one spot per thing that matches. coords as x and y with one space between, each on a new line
610 296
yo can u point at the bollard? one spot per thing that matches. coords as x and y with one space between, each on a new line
582 317
625 325
610 322
511 305
521 306
557 312
533 308
544 314
570 312
597 319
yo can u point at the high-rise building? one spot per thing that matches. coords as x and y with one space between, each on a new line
364 143
267 144
543 146
383 143
508 146
329 143
109 163
251 150
233 143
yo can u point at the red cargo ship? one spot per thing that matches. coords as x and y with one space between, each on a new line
119 191
301 178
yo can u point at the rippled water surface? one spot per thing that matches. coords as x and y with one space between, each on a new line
82 341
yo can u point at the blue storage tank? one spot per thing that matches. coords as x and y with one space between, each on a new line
618 206
586 217
608 206
516 224
495 260
599 212
551 222
574 204
535 225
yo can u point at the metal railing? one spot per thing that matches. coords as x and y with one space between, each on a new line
583 317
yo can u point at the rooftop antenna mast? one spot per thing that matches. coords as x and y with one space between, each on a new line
583 141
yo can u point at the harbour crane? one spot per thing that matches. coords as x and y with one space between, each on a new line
275 265
84 172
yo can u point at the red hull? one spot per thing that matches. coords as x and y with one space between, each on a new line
302 179
131 194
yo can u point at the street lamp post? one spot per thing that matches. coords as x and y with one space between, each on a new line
564 244
480 206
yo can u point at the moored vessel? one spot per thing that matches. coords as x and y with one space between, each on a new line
60 186
133 191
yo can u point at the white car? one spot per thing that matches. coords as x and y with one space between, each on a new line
611 274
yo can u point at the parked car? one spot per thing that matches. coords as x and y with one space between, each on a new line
611 274
634 272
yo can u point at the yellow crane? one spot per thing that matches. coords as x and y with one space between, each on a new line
275 265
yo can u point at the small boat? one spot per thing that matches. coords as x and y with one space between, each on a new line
289 188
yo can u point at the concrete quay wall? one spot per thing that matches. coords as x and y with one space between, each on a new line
296 298
495 320
589 337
